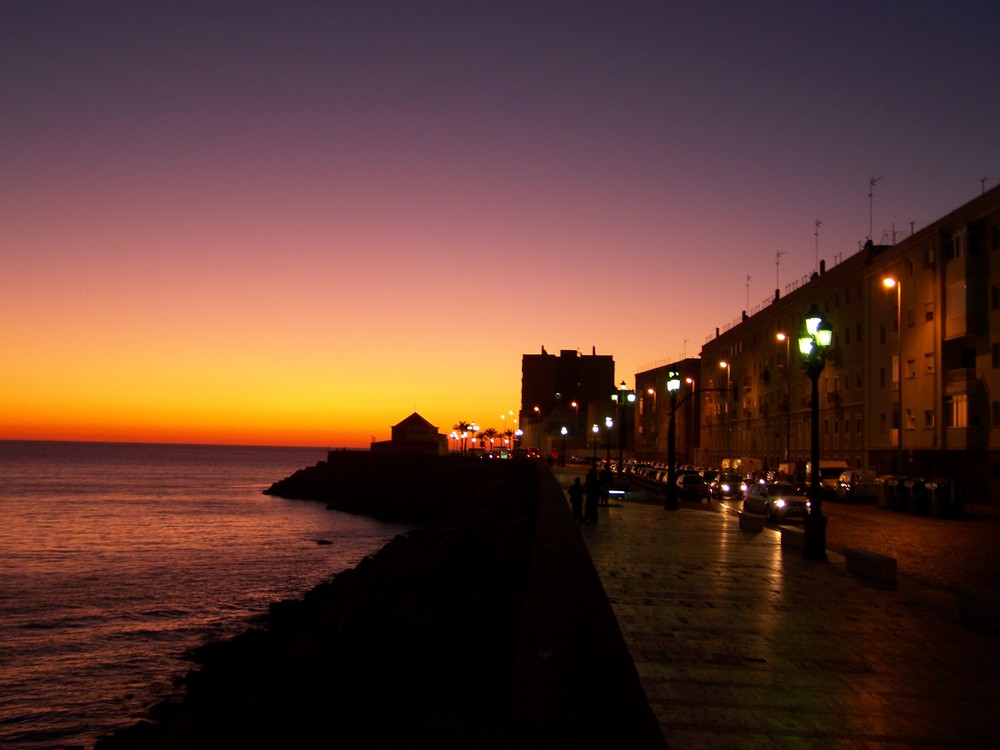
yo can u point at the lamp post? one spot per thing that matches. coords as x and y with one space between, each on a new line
728 367
562 459
673 385
813 344
890 282
608 423
620 398
596 430
781 336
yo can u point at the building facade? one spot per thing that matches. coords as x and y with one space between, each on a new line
654 407
912 379
571 390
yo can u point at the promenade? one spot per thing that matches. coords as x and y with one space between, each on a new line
738 644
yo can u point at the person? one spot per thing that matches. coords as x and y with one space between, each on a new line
605 485
576 491
593 488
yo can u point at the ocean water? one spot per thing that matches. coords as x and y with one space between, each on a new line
115 559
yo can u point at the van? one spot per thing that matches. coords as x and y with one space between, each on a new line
856 486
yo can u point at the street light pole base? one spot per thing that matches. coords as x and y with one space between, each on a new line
814 544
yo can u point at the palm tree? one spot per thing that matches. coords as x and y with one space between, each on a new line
509 434
462 428
489 434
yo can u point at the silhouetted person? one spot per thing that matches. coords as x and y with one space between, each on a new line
593 487
606 478
576 492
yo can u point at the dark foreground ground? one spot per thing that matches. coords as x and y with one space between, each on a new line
487 627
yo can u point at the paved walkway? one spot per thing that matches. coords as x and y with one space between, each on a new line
740 645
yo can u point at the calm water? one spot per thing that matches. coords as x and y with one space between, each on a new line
116 558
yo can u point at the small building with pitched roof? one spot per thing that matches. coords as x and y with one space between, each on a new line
413 436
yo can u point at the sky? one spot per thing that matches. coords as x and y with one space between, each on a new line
292 223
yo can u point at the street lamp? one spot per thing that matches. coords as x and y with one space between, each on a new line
813 345
609 423
673 385
781 336
596 430
620 398
563 431
890 282
728 367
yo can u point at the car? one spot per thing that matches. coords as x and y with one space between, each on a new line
779 501
693 487
728 487
856 486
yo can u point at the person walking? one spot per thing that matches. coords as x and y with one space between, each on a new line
576 492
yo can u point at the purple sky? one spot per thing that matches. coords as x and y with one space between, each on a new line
299 222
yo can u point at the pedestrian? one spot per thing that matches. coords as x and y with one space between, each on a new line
576 491
606 485
593 489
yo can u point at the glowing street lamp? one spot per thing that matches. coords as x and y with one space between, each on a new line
596 430
673 386
813 344
891 282
728 367
564 431
782 336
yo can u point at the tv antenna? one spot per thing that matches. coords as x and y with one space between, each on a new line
871 204
982 185
777 268
818 222
748 294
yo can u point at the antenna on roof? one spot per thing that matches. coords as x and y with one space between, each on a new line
777 269
982 184
818 222
748 293
871 204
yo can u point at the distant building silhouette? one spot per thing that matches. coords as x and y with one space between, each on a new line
551 384
413 436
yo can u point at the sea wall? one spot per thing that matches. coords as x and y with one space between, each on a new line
485 628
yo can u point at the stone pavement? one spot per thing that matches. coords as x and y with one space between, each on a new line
741 645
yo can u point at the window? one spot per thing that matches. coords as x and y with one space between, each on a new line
881 377
911 420
929 419
881 334
929 312
858 426
911 369
929 363
881 424
958 410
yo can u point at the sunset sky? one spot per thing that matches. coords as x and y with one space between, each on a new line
297 223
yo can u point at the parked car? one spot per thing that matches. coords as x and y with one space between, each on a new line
857 486
779 501
728 487
692 487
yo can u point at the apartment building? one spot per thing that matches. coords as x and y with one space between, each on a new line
912 379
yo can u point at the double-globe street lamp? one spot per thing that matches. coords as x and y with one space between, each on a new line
814 342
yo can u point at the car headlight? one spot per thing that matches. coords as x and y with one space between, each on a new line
743 487
725 488
780 503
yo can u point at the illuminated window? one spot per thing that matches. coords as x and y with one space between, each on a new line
958 410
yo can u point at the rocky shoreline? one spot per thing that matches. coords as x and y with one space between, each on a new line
416 645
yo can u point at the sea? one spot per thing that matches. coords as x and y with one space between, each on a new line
117 559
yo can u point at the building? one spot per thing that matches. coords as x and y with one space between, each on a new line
570 390
653 410
912 379
413 436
